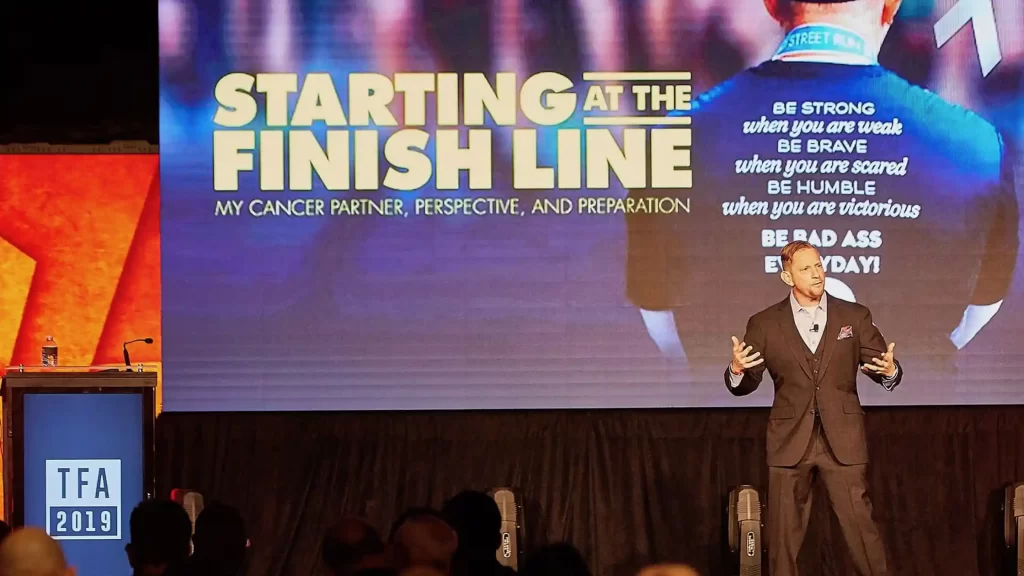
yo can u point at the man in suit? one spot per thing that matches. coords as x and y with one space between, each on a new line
812 346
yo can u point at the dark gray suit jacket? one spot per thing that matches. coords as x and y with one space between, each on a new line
773 333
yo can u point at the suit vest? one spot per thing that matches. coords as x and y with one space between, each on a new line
814 360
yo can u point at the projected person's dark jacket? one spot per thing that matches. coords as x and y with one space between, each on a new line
921 247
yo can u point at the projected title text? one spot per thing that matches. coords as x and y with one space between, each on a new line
654 153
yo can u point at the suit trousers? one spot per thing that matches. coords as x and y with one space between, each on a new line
790 495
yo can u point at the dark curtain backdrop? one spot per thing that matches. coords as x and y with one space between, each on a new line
626 487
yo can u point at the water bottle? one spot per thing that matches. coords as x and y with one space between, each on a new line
50 352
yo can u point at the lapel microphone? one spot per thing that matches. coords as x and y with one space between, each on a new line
814 328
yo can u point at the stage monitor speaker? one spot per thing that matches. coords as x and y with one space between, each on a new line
191 501
1013 527
744 519
511 507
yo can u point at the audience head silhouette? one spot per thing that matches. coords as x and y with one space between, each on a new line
425 540
220 541
668 570
161 534
31 552
556 560
477 522
353 547
476 519
413 512
421 571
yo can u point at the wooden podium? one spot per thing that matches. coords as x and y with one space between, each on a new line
78 456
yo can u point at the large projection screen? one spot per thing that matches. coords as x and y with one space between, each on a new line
429 204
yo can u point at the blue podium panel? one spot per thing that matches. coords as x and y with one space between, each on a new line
83 458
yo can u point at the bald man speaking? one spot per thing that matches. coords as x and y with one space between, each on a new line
812 346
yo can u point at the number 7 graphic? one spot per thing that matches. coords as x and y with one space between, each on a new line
981 14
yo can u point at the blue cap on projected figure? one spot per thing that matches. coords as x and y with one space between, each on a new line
83 499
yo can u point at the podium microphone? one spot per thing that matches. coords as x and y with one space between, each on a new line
124 348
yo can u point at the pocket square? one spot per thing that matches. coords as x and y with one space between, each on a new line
845 332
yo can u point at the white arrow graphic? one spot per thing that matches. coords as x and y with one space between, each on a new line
986 38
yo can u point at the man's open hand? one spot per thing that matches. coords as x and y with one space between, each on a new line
885 365
742 358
